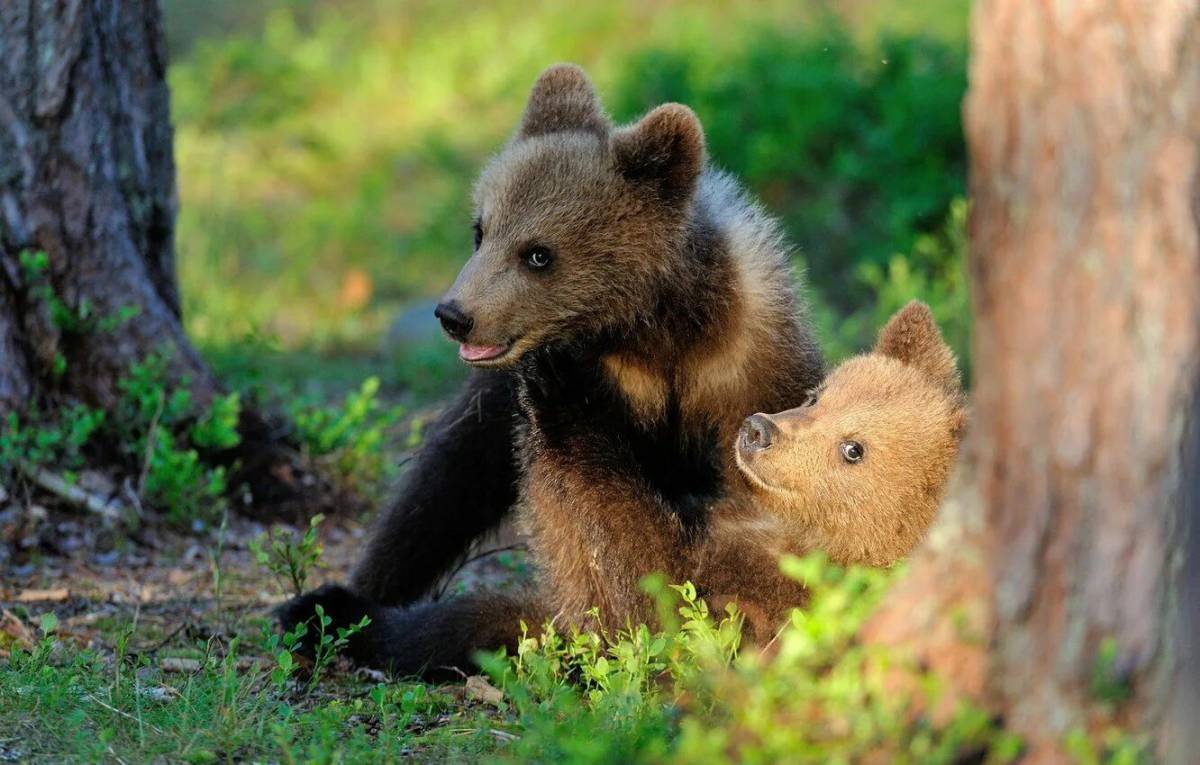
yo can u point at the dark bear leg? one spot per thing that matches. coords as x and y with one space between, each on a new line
461 484
432 640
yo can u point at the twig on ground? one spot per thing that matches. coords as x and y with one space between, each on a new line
151 439
135 499
59 486
467 561
111 708
159 645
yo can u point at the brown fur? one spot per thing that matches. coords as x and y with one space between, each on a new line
665 316
904 404
682 286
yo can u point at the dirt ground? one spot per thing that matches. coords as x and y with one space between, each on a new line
170 589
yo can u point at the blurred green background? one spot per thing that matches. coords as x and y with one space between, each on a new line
326 152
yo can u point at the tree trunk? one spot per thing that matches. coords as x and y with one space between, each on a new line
1083 121
87 176
1083 126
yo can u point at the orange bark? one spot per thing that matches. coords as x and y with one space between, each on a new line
1083 126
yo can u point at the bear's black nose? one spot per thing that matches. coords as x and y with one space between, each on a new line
456 323
758 432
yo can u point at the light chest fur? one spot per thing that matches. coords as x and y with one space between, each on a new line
626 440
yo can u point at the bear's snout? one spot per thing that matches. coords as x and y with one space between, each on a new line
758 433
455 321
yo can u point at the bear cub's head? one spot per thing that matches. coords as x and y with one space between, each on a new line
575 223
858 471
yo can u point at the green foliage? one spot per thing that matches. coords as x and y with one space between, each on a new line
326 644
59 439
351 437
823 697
933 271
179 481
159 437
689 694
78 706
626 667
283 647
857 147
158 429
217 428
80 320
1109 684
35 268
326 167
288 559
1114 747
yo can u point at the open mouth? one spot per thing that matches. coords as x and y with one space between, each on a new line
481 354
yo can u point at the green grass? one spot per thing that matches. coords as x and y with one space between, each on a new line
85 706
689 693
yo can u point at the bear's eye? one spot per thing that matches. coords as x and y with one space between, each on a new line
810 399
852 451
478 233
537 257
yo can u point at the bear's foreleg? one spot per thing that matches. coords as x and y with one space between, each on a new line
461 484
431 640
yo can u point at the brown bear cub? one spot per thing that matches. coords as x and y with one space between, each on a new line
625 307
857 472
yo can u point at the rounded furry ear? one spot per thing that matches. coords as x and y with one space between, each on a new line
563 99
912 336
664 149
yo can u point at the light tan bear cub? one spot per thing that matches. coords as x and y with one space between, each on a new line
857 472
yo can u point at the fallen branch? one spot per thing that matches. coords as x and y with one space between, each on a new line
59 486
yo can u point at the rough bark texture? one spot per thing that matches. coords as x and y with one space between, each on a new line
1077 525
15 385
87 175
1082 122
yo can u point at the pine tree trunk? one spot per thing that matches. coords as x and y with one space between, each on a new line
1083 126
1083 121
87 176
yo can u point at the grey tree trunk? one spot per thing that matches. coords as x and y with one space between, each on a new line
87 176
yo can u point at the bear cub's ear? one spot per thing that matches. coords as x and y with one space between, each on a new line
912 336
563 99
665 149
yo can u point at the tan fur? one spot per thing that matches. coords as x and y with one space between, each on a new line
903 403
645 388
912 336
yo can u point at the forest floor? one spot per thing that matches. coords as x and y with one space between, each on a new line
158 645
161 649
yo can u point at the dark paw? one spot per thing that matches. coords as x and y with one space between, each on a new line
342 607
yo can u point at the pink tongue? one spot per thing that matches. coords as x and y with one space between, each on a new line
479 352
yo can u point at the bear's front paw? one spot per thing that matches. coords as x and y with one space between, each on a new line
339 605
